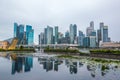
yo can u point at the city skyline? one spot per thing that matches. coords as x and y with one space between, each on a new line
93 38
60 13
72 30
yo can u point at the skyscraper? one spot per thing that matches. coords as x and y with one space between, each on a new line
99 33
105 34
101 25
49 35
80 38
45 36
19 32
28 28
86 42
101 30
67 34
16 30
92 24
41 38
29 35
56 34
73 33
67 37
102 34
93 33
60 37
92 41
98 36
90 29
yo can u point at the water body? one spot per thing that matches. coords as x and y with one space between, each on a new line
42 68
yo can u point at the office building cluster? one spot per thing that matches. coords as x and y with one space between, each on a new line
92 38
24 37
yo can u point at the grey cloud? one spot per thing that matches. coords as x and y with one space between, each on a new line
40 13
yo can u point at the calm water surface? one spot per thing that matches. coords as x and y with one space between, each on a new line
43 68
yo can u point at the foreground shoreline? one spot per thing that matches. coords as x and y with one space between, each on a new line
96 54
108 54
92 55
19 50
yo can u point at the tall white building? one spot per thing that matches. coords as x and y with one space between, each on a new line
90 29
92 24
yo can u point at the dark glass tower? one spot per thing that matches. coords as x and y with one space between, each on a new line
105 34
73 33
56 34
45 37
49 35
15 29
19 32
29 35
80 38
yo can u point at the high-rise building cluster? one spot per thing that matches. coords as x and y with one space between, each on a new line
92 39
24 37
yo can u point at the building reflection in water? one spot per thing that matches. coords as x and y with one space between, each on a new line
50 64
20 63
53 64
28 64
103 68
24 64
92 68
73 66
56 64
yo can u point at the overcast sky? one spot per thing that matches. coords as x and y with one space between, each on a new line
62 13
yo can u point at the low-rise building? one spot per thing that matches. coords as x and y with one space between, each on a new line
110 45
4 44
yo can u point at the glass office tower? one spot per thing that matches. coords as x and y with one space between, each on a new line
49 35
105 34
29 35
86 42
45 37
56 34
15 29
80 38
21 33
73 33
